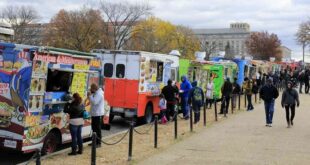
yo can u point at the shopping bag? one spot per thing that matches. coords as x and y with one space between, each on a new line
86 115
106 123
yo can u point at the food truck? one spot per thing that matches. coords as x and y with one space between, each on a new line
34 85
133 81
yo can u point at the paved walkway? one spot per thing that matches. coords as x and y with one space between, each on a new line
243 139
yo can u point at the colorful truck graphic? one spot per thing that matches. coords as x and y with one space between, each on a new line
31 111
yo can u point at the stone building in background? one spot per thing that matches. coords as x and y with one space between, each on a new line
229 40
286 53
6 32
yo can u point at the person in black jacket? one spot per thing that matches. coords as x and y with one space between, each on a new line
269 93
289 99
301 80
170 92
226 94
306 81
75 111
235 92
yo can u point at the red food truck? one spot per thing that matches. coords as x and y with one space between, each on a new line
133 81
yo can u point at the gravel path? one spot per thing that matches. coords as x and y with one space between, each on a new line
243 139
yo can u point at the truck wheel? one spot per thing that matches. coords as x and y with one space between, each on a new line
50 144
148 115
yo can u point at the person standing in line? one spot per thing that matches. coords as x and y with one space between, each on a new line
185 88
76 122
248 89
226 94
235 92
301 80
96 99
289 100
170 92
268 94
196 99
209 93
163 108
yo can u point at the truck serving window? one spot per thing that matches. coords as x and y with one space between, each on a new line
160 71
58 80
108 70
120 70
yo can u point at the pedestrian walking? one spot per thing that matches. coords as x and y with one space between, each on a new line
96 99
184 92
163 108
248 90
76 122
269 93
196 100
209 93
235 92
170 92
289 100
226 94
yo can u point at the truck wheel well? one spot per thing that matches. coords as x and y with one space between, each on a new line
149 104
57 132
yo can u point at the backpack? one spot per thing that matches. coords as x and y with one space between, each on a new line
197 95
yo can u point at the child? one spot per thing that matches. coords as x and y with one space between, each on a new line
162 106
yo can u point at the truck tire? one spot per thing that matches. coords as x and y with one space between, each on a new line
51 143
148 115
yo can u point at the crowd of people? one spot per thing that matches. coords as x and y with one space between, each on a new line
266 85
192 97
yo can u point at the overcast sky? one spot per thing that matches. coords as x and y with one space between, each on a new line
277 16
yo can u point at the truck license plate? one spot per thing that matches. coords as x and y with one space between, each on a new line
10 143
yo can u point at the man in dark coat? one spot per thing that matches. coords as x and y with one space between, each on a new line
170 92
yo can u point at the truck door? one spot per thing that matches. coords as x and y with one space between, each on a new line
133 79
108 72
119 81
167 72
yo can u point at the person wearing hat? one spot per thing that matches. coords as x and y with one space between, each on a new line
289 99
196 99
247 86
269 93
226 94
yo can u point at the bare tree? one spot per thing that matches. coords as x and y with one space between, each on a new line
209 48
20 17
228 51
303 36
121 17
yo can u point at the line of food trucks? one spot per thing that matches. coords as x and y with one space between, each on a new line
35 83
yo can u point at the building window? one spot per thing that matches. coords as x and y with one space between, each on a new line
108 70
120 70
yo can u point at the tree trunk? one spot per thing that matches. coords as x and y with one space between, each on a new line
303 52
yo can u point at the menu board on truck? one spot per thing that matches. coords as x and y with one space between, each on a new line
79 81
37 86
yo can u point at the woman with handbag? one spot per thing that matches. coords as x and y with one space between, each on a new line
289 99
76 112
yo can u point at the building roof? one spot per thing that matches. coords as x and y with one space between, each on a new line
220 31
